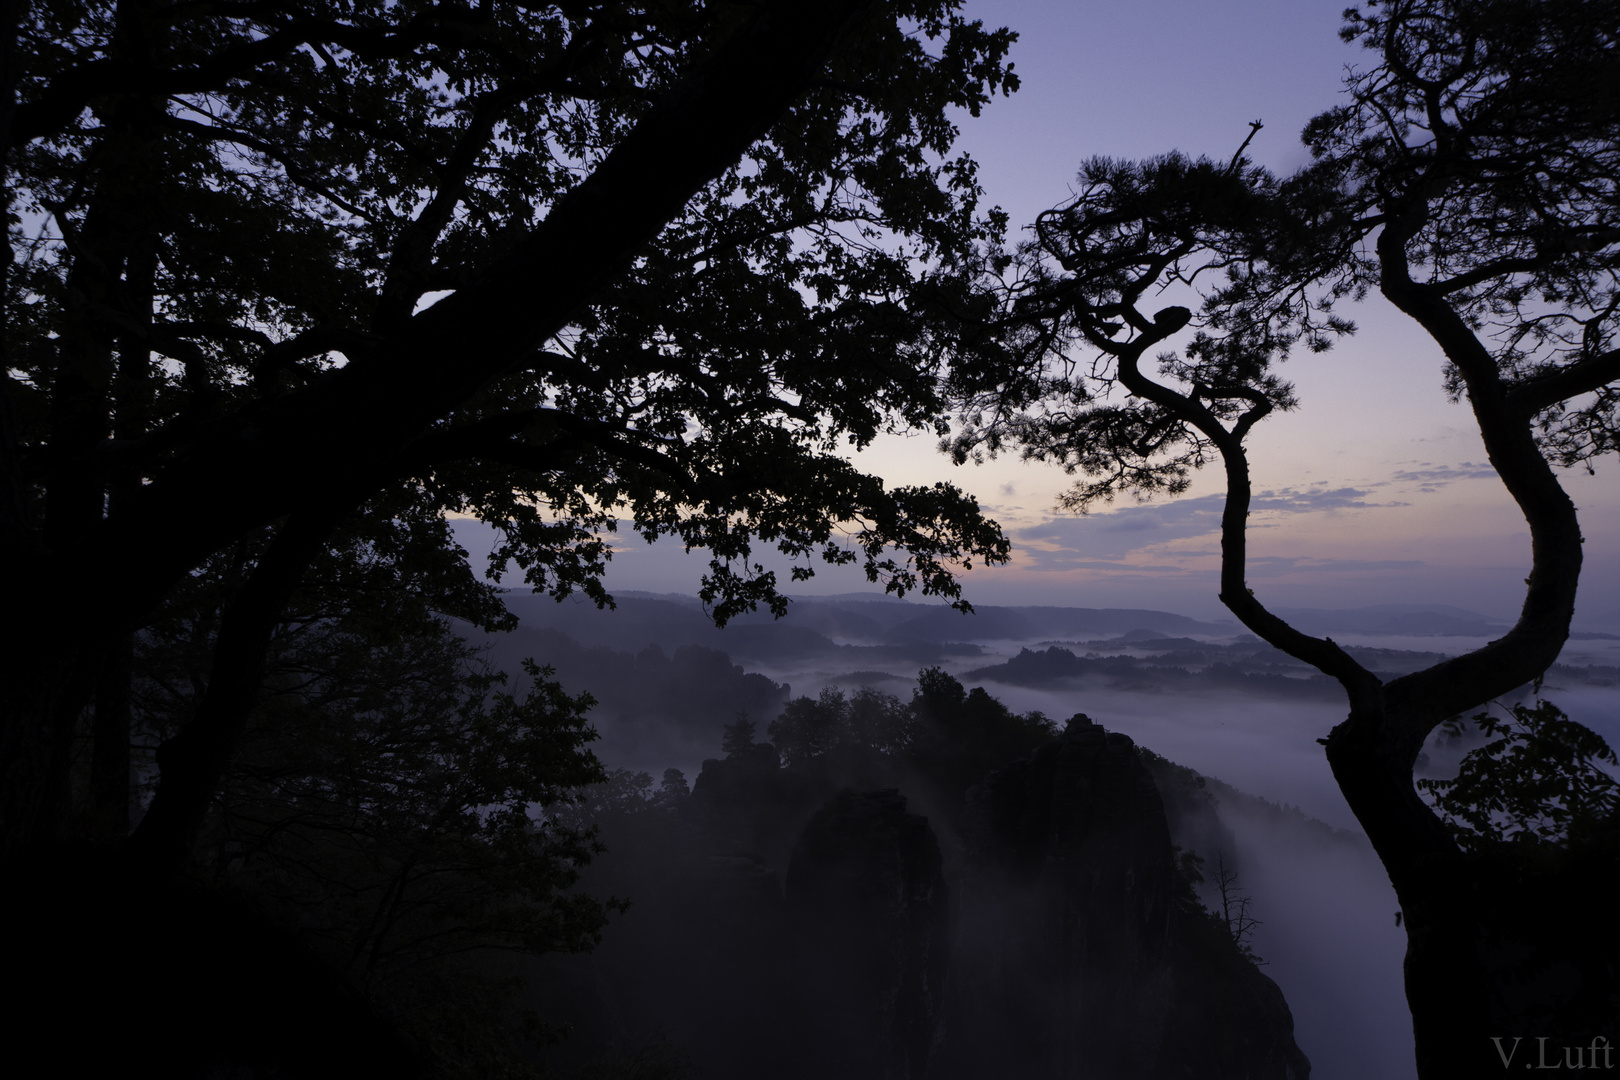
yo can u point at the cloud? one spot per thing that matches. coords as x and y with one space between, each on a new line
1431 477
1062 543
1118 533
1292 501
1068 560
1266 566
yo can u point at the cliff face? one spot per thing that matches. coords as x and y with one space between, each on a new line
867 902
1049 939
1062 955
1072 956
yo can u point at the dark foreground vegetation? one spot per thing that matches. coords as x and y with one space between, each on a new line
941 888
936 888
289 281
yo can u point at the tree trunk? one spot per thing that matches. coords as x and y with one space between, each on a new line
1500 946
103 578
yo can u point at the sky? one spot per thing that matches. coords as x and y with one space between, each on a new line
1374 491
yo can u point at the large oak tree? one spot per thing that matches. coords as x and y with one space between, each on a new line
277 264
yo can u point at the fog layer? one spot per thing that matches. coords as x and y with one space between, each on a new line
1201 694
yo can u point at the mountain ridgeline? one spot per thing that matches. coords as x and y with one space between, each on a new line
943 889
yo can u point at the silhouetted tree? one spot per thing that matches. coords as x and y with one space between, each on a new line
738 737
282 266
962 734
1470 177
869 718
1234 913
289 282
623 794
810 727
673 789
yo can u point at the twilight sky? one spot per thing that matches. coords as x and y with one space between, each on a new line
1373 491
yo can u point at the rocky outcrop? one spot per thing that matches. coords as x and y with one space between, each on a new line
1072 956
1070 948
867 902
1061 957
748 802
1227 1018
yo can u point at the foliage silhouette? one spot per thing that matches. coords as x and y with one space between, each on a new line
1470 179
555 266
288 283
1537 779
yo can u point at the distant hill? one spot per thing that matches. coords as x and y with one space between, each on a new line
1037 623
821 623
1419 619
860 632
830 624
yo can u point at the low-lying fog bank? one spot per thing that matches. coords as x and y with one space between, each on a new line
1204 695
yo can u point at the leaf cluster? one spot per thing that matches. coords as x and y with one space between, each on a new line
1477 154
1537 780
248 198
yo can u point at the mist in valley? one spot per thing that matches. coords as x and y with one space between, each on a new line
1203 695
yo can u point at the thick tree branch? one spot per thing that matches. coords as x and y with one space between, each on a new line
193 761
1582 377
407 275
289 454
1427 697
1321 653
17 528
1488 271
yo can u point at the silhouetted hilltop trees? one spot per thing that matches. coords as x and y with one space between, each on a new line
939 888
649 704
870 718
379 840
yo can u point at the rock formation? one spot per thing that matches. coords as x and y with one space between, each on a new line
1074 955
1069 948
866 901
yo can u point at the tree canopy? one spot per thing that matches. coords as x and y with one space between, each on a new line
287 283
1470 179
276 266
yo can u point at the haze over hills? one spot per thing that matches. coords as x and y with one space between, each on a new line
667 680
870 638
1203 693
826 621
875 619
